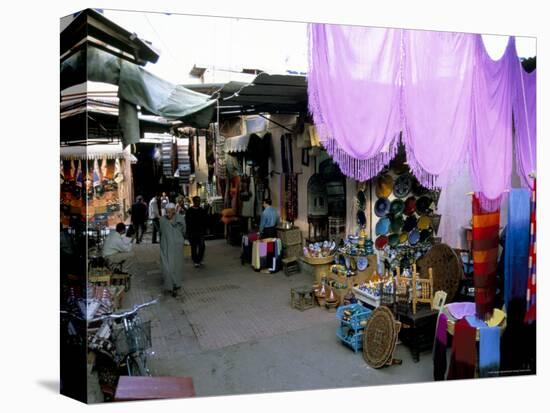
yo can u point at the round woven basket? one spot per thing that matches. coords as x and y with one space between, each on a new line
451 326
319 260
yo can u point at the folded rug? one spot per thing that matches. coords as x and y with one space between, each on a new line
464 352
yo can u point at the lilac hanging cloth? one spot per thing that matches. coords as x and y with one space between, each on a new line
437 103
354 91
491 144
525 117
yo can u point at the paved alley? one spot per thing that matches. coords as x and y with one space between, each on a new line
233 331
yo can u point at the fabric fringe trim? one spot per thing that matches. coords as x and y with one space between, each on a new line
488 204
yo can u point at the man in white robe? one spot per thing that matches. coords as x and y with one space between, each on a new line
172 232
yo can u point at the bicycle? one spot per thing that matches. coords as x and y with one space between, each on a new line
130 337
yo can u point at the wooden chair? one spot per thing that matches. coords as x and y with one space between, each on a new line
425 295
402 293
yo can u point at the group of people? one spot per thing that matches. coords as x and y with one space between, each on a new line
172 223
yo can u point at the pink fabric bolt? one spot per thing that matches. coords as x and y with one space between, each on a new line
354 95
439 70
525 119
451 101
491 145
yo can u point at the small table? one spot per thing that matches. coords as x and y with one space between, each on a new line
150 388
420 333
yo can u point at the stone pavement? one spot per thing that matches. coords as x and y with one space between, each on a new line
233 331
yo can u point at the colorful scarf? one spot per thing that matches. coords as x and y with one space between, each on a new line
485 252
464 352
516 258
531 313
489 351
440 348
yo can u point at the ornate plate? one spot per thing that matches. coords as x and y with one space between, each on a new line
382 226
382 207
362 263
402 186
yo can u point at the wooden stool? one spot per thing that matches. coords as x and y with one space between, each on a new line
301 298
290 265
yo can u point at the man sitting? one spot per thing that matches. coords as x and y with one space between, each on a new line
117 250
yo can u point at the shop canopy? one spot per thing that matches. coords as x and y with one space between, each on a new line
283 94
137 88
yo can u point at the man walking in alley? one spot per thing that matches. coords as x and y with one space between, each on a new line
139 217
195 219
117 250
172 232
154 215
269 220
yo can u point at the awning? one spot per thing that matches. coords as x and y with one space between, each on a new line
137 87
91 152
284 94
253 125
237 144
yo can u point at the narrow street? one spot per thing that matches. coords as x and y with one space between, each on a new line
233 331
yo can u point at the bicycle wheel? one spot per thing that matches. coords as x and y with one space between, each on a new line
137 365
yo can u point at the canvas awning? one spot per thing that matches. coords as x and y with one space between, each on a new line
91 152
252 125
284 94
137 88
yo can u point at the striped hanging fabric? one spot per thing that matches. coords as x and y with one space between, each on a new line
531 313
485 233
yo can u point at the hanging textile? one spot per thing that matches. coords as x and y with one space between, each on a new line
210 158
220 168
525 118
455 210
197 140
291 197
463 352
166 157
531 309
440 348
191 153
184 165
437 103
354 94
485 238
516 258
491 145
366 85
489 351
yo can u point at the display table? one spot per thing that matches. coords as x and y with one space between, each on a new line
418 330
150 388
350 282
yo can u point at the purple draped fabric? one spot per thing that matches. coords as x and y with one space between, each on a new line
525 116
354 95
439 70
451 101
491 144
